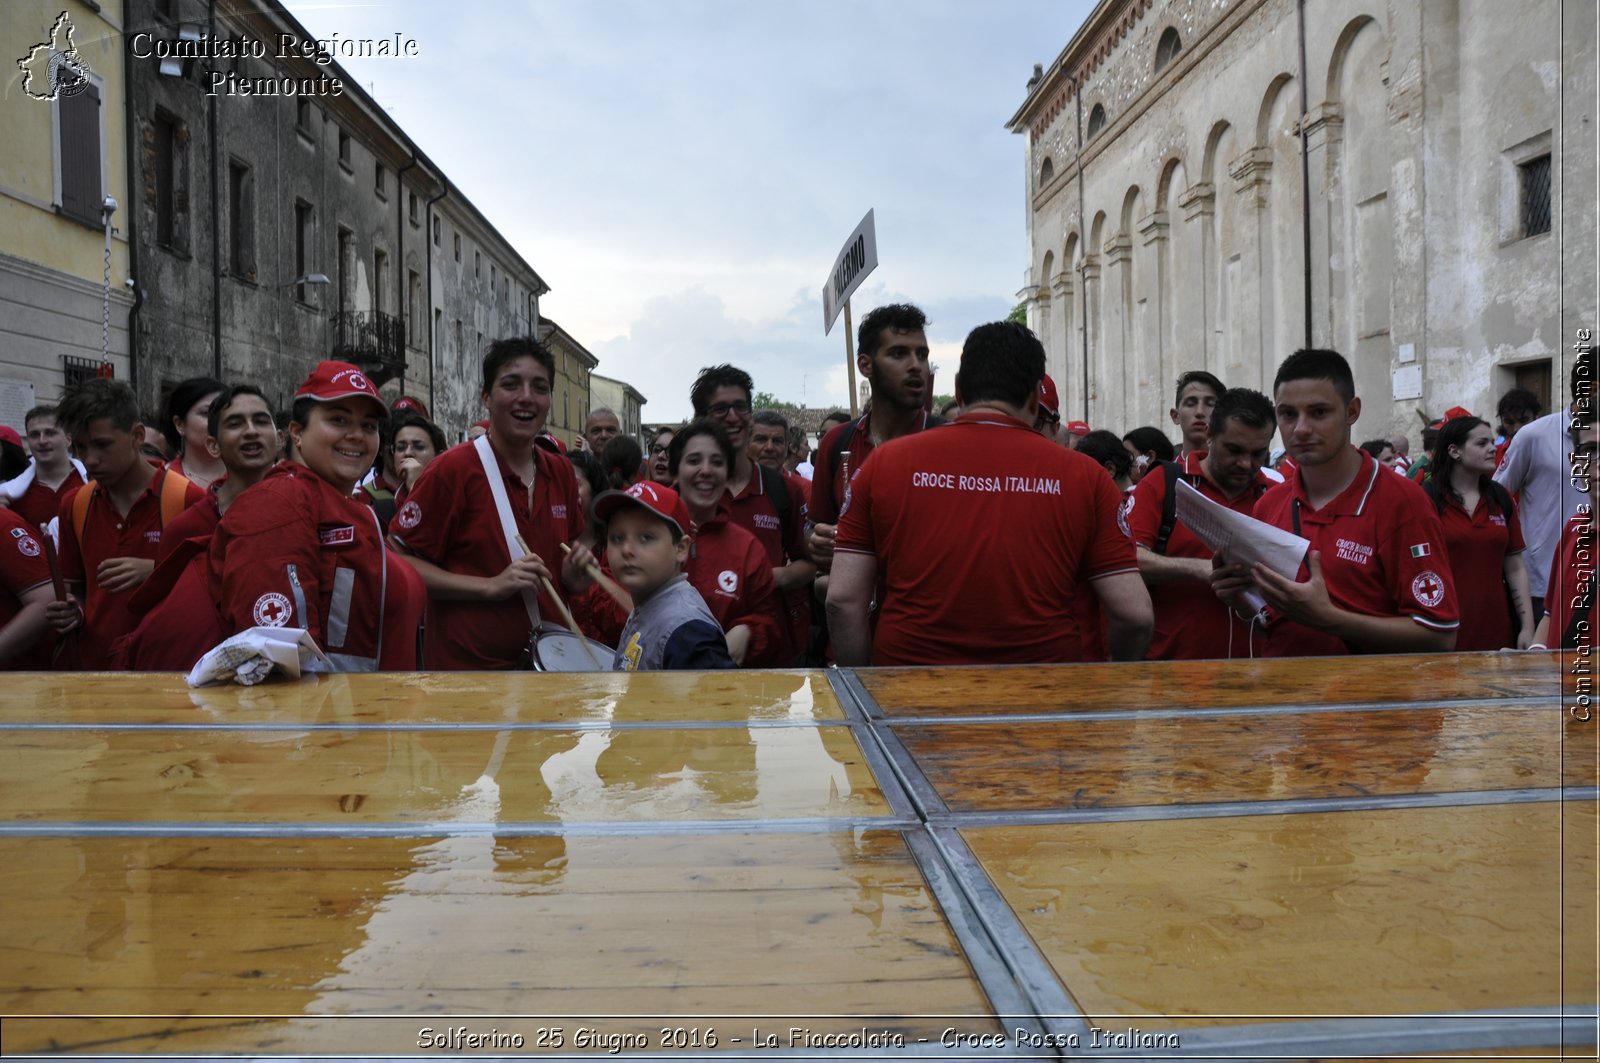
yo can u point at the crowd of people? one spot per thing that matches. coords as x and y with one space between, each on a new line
988 532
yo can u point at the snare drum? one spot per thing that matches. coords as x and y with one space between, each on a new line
555 649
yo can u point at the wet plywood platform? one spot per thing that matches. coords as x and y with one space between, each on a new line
1377 858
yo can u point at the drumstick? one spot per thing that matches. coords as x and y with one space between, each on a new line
566 614
607 584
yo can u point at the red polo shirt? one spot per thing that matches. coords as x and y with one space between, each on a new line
198 521
731 571
1478 547
1382 549
450 519
827 488
1572 575
22 568
753 510
982 532
39 504
1191 621
108 534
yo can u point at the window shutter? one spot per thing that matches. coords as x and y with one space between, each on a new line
81 194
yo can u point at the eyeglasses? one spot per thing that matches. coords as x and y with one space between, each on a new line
722 409
656 450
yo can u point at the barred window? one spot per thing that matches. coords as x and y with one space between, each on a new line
1534 179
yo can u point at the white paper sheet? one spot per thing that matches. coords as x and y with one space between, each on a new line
1240 539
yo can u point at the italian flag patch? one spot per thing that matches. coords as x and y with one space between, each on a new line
1421 550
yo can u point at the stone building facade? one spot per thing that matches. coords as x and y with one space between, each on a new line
623 399
1416 192
569 398
64 288
273 230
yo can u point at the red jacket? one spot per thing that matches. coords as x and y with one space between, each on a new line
294 552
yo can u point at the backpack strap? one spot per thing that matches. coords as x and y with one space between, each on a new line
174 490
1169 507
80 509
773 484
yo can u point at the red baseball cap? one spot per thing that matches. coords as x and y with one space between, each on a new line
662 501
1047 396
483 424
406 402
1078 428
1453 412
330 381
9 435
550 443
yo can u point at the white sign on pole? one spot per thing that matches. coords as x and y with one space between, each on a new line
858 258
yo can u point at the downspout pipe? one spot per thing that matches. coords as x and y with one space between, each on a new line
433 339
400 260
216 222
131 221
1305 171
1083 250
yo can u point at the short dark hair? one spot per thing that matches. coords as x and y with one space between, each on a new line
773 419
1317 363
1148 439
511 348
1518 400
834 417
1250 408
1198 376
1001 361
1102 446
713 377
901 317
96 398
413 419
224 400
700 427
40 411
1376 447
181 400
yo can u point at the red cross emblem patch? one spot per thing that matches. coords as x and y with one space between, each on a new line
1428 589
272 610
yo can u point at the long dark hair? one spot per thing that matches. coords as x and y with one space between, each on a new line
1442 464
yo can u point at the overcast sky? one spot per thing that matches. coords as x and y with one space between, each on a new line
682 173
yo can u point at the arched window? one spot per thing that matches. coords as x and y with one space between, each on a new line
1097 121
1047 171
1168 47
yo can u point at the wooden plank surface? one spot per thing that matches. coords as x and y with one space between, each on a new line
805 925
1158 760
442 697
1212 684
360 776
1171 924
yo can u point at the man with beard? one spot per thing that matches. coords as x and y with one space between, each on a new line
892 355
1191 623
